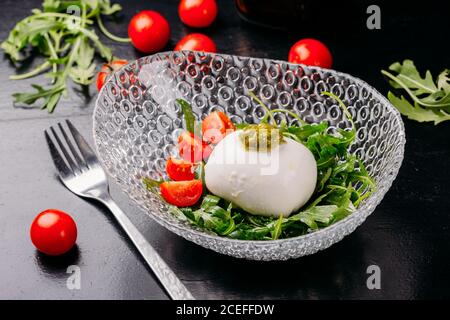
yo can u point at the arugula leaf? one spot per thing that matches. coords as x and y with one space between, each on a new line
66 41
152 185
30 98
180 213
305 131
276 232
27 31
108 9
189 118
316 215
416 112
240 126
444 81
210 201
214 218
245 232
430 100
50 95
407 75
199 173
84 71
322 214
307 219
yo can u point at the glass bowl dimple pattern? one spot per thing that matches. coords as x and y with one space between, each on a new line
137 123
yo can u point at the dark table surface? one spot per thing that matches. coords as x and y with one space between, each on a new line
407 236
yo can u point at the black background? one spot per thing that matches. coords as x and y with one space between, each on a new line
407 236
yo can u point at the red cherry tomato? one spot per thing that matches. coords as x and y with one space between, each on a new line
182 193
311 52
216 126
53 232
196 42
107 70
191 148
149 31
197 13
179 170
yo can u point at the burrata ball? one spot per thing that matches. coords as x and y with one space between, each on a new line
269 183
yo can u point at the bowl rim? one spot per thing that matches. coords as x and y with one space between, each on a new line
366 205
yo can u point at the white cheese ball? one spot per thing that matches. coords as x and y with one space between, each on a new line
272 183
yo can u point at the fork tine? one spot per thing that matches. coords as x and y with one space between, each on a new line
64 151
60 165
75 154
88 154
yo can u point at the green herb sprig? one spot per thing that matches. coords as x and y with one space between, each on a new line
428 101
66 41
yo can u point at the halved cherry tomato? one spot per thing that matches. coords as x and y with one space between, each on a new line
149 31
311 52
179 170
107 70
197 13
182 193
191 148
196 42
216 126
53 232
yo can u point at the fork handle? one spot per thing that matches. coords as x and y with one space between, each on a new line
174 287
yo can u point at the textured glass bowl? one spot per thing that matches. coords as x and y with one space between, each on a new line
137 122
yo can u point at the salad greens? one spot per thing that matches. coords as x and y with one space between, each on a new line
189 118
342 183
429 101
62 33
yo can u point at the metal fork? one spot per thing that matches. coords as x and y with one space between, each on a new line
80 171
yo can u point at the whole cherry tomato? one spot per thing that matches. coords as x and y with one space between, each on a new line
107 69
216 126
53 232
179 170
182 193
197 13
149 31
196 42
311 52
192 148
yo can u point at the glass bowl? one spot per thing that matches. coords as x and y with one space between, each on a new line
137 122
